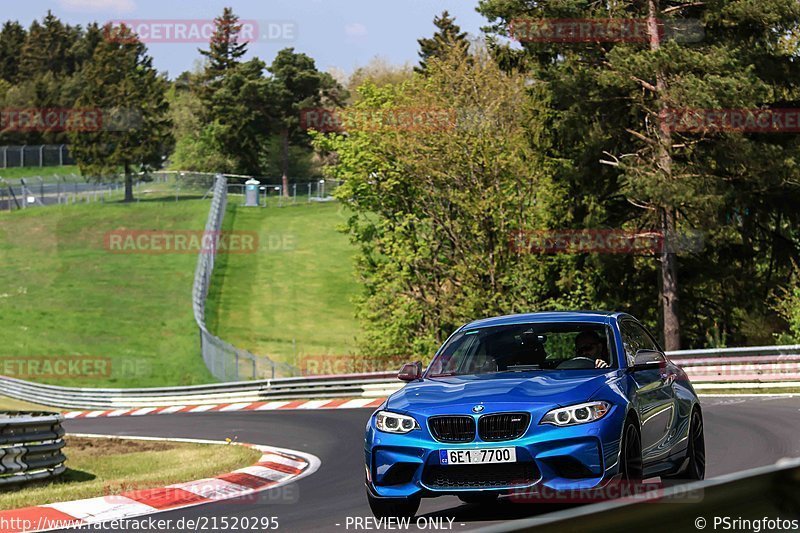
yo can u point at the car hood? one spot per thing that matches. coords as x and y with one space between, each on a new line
498 392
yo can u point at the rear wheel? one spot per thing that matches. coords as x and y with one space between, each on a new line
631 456
398 507
478 497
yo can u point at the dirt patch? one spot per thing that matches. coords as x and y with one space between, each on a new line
116 446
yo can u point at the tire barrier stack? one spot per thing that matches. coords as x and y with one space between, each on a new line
31 446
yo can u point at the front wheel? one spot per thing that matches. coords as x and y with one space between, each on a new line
631 456
397 507
695 468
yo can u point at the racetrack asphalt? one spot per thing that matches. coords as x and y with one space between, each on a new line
741 433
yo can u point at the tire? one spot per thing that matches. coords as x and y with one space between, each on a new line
630 458
396 507
695 463
478 497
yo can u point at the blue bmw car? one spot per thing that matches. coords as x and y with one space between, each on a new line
562 401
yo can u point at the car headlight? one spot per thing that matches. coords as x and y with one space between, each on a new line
576 414
395 423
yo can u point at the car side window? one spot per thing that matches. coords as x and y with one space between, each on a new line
635 338
645 340
630 341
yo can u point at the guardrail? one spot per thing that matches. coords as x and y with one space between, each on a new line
374 385
31 446
761 495
754 367
736 368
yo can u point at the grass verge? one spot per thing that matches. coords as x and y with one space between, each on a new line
293 298
107 467
64 296
11 404
48 174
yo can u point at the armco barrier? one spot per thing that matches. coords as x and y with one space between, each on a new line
761 496
375 385
31 446
728 368
755 367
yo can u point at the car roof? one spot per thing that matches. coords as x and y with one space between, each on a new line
596 317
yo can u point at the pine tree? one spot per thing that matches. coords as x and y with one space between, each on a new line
12 38
47 49
120 82
609 143
224 49
84 45
297 85
448 35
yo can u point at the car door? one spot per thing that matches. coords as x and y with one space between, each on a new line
654 396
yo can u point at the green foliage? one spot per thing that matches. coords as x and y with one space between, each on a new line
379 72
39 69
435 207
242 109
787 303
12 39
225 50
602 137
448 36
121 82
297 85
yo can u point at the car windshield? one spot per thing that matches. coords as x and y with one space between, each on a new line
526 348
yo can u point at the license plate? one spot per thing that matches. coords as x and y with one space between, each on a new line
478 457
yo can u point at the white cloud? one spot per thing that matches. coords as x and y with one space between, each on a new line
118 6
355 31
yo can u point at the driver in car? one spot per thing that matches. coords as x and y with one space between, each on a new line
590 345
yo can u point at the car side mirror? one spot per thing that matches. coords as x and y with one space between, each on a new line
410 371
648 360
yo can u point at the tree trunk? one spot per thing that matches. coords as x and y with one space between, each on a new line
669 284
128 183
285 161
666 215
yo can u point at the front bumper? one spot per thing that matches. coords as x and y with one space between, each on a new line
555 458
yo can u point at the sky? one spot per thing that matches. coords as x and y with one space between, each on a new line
339 34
